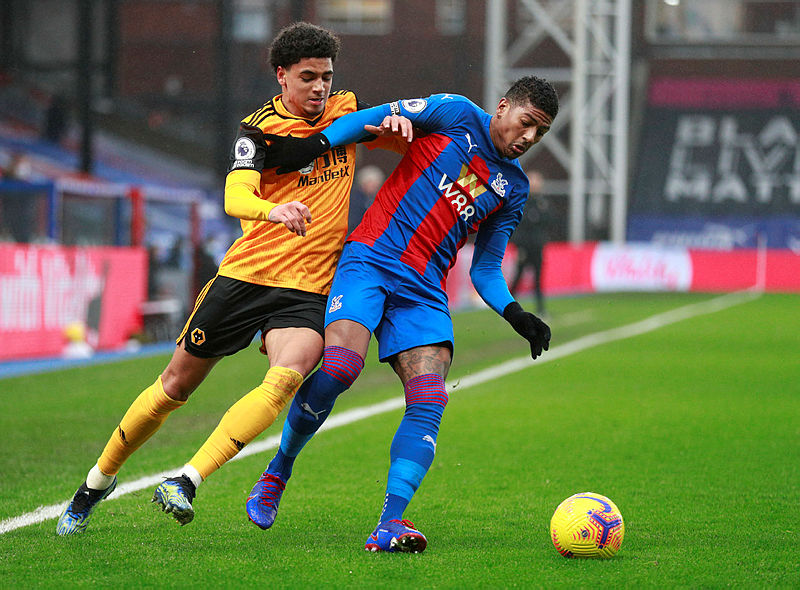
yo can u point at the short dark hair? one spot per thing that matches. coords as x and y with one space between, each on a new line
538 91
300 40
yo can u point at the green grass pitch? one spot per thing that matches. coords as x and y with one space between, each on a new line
693 429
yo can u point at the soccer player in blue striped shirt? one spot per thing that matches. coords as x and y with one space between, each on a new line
461 177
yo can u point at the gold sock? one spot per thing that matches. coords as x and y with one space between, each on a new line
246 419
146 415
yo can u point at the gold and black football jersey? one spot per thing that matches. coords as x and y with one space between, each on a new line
268 253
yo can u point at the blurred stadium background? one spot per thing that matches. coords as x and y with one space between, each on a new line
674 163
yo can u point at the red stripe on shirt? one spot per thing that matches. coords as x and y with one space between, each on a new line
378 216
441 219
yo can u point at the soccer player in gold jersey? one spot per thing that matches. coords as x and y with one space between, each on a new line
274 279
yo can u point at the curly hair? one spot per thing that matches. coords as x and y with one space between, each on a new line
538 91
300 40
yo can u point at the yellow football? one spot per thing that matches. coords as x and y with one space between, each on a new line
587 525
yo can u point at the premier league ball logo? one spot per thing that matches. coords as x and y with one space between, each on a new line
244 150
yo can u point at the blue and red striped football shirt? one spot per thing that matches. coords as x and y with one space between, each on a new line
450 183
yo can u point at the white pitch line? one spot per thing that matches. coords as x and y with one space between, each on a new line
650 324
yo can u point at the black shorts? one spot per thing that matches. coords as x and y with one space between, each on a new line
229 313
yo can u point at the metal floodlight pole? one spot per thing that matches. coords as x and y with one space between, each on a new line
577 172
494 56
593 36
601 83
622 67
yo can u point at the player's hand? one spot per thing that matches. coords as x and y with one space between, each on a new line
393 125
527 325
289 153
293 215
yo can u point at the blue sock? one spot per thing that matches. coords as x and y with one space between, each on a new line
313 403
414 443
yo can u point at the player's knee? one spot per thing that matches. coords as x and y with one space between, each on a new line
342 364
177 385
184 373
302 365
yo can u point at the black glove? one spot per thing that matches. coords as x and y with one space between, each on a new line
289 153
529 327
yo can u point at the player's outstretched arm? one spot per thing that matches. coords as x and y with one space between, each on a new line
288 154
487 277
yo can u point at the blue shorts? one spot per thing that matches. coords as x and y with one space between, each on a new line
392 300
